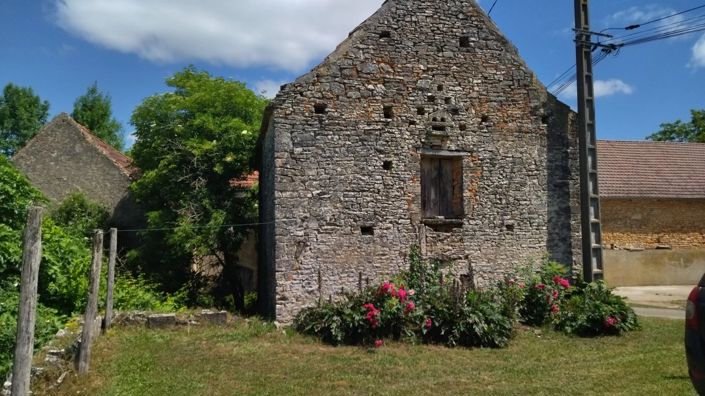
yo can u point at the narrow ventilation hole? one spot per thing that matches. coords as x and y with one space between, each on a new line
448 101
439 88
385 34
420 111
509 227
438 128
443 119
388 111
464 42
431 99
463 127
387 165
544 119
320 108
367 230
455 111
434 119
412 122
485 118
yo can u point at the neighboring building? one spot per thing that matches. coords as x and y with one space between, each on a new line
65 157
424 127
653 211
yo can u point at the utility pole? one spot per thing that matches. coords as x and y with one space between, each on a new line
591 228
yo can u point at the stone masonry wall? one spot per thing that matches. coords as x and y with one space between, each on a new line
59 161
648 223
419 78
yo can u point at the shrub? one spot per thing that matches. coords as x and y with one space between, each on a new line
590 309
135 293
46 325
79 216
543 291
416 306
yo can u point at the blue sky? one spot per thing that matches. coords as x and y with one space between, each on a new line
60 47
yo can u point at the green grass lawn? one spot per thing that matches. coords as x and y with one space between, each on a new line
254 359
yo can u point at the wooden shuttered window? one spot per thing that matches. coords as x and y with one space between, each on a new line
442 187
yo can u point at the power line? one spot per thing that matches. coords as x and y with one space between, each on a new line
492 8
679 28
196 227
635 26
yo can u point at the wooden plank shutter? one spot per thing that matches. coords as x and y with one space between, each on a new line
429 187
451 187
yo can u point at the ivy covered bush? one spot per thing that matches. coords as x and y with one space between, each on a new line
415 306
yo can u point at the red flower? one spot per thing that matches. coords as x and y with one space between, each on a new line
510 282
379 343
401 293
561 281
387 288
412 292
428 323
555 308
540 286
555 294
522 285
410 306
611 321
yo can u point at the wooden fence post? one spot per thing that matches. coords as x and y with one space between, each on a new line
84 354
111 280
31 257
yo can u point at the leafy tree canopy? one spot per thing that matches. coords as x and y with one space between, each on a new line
94 111
190 143
679 131
22 114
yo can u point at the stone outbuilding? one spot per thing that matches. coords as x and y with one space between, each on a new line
423 128
65 157
653 212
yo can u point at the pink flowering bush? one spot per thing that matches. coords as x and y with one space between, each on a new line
543 294
590 309
416 306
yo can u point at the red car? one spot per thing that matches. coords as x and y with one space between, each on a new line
695 336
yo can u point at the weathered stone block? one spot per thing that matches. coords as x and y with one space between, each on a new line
214 318
156 321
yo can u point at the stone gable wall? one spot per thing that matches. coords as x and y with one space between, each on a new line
345 147
59 161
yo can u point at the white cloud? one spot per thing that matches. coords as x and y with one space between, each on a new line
641 14
698 58
282 34
602 88
612 87
268 88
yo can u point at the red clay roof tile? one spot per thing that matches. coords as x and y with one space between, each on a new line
646 169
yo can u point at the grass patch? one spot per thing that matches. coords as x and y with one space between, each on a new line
256 359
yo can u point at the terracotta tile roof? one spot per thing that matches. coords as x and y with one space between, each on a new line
246 182
646 169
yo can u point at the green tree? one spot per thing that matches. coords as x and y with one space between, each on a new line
22 114
679 131
190 143
94 111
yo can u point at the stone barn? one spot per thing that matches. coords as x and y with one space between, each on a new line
424 127
653 212
65 157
